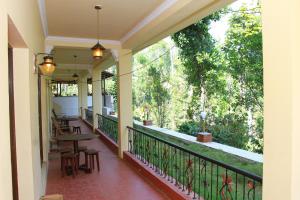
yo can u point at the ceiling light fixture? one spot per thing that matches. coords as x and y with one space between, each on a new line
47 67
75 76
98 48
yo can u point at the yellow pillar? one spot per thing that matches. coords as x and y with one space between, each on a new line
281 31
26 122
79 85
83 94
125 114
97 95
5 167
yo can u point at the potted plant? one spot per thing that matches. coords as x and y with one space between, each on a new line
147 121
204 136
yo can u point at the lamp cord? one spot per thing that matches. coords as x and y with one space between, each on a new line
98 21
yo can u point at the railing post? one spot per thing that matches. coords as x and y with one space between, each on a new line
125 115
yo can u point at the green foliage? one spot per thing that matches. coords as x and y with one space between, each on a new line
153 88
111 85
201 74
189 127
230 130
66 89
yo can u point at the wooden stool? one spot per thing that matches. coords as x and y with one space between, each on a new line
77 129
89 159
63 151
72 159
81 149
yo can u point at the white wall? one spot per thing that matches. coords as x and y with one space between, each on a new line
65 105
90 101
68 105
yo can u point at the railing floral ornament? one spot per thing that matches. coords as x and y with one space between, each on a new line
165 161
196 175
203 172
189 175
251 189
130 140
176 168
148 152
226 188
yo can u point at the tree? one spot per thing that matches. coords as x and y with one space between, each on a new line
197 55
152 82
244 56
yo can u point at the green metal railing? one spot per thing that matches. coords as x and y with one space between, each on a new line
199 176
89 115
109 127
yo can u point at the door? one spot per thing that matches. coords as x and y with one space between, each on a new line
13 144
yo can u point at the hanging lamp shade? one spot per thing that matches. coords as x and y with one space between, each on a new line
75 75
48 66
98 49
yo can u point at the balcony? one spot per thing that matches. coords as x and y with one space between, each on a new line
69 29
116 179
177 171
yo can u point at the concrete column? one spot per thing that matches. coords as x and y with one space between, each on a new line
26 122
125 114
84 90
5 167
97 95
281 30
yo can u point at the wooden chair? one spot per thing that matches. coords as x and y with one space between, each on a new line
59 128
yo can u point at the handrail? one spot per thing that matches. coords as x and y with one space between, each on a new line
106 117
224 165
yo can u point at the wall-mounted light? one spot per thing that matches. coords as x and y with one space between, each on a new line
47 67
98 48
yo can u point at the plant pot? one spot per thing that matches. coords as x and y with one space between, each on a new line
204 137
147 122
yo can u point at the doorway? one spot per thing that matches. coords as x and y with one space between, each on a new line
13 145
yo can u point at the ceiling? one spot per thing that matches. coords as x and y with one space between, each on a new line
77 18
64 55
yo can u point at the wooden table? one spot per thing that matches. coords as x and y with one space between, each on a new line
65 119
76 138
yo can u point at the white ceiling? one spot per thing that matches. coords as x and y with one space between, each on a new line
77 18
66 56
70 26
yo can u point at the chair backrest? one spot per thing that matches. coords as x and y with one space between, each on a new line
54 113
57 126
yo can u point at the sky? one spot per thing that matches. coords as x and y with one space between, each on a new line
218 29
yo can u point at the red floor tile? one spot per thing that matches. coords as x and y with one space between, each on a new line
115 181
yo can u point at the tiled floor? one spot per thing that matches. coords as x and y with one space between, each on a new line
115 181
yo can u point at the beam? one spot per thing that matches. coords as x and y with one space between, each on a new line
59 41
170 17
